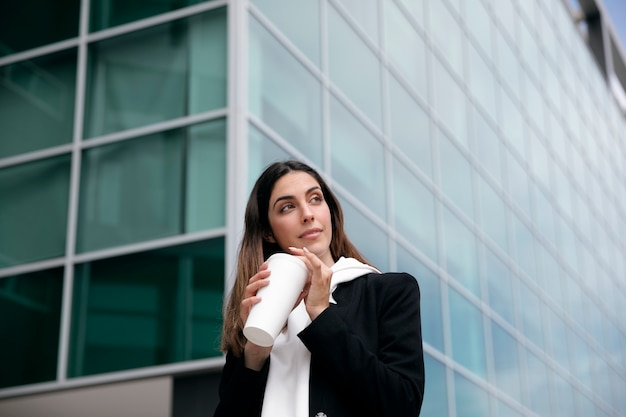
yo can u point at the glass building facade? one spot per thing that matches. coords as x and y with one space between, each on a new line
477 144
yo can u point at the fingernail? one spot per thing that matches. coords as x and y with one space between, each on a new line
305 249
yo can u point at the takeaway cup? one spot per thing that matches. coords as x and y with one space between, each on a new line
269 315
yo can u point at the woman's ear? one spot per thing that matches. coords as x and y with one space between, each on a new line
268 236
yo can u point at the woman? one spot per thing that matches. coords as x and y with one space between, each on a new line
352 345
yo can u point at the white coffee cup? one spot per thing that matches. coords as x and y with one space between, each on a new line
269 316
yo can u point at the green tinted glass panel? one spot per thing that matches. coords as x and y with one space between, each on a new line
164 72
284 94
28 24
107 13
146 309
30 315
262 152
159 185
40 91
33 210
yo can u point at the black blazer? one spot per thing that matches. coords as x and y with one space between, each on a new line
366 355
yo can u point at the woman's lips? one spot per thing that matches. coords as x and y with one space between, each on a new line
310 234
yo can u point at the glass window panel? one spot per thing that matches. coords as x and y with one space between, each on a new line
479 23
371 241
416 8
558 337
471 400
461 252
262 151
33 210
534 104
27 24
482 82
365 13
30 317
284 94
506 362
531 314
564 396
530 48
155 186
518 183
299 20
40 91
466 328
456 176
505 410
508 63
205 195
524 247
499 284
450 103
430 289
350 142
146 309
108 13
544 215
414 207
410 127
436 390
446 34
185 59
512 123
492 214
363 86
504 11
400 37
487 145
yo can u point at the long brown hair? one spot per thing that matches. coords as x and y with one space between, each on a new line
254 249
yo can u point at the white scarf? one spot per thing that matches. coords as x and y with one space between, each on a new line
287 389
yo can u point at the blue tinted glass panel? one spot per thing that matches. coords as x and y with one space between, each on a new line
436 390
368 238
537 384
156 74
466 326
450 103
30 317
456 176
461 253
146 309
430 288
499 286
33 210
471 400
37 103
492 214
506 362
284 94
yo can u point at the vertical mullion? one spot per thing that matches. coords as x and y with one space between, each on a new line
68 278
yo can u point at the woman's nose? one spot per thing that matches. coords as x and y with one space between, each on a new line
307 216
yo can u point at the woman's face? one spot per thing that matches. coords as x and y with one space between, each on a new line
299 215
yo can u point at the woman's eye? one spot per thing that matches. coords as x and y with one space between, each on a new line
316 199
286 207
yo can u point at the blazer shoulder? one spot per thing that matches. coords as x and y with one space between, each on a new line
394 282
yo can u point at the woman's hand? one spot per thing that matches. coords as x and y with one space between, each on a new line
254 355
316 292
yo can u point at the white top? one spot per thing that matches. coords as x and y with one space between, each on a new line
287 389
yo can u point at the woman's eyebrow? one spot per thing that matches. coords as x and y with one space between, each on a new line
291 197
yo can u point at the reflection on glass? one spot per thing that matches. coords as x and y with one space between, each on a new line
446 35
450 103
357 73
414 209
482 82
430 289
436 390
400 37
146 309
499 286
506 362
41 92
479 23
471 400
299 20
410 127
461 252
33 210
108 13
456 176
350 142
492 214
28 24
30 317
365 13
368 238
160 73
487 145
466 328
262 151
154 186
284 94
